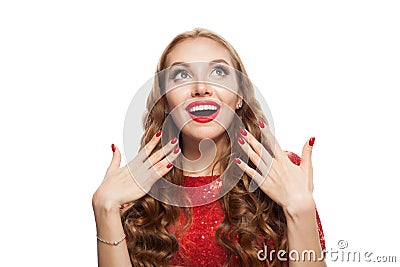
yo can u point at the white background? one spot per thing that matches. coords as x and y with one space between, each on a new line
69 69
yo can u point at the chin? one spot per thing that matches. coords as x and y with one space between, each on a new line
200 132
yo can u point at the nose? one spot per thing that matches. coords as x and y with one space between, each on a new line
201 89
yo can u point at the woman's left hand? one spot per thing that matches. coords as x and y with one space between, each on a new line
288 184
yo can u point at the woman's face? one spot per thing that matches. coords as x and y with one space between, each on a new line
201 88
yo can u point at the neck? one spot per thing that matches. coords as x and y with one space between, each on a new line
201 155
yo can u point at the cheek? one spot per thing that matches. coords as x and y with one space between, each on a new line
228 97
173 99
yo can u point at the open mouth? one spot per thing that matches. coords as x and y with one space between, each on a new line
203 110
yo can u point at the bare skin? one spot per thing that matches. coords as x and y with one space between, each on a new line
207 50
289 185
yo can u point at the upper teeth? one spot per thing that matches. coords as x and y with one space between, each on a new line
202 107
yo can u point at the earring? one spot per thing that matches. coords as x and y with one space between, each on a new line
239 105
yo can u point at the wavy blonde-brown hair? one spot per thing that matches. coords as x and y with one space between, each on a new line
252 219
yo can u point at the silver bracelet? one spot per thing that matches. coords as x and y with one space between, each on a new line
115 243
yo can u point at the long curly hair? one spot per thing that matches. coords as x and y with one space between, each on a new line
248 215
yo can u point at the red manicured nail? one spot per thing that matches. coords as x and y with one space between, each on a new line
237 160
243 132
240 140
169 165
311 141
176 150
173 141
158 133
113 147
261 124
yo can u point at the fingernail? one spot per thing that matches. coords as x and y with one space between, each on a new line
113 147
237 160
169 165
176 150
311 141
240 140
158 133
261 123
243 132
173 141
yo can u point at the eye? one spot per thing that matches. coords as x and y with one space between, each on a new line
180 75
219 71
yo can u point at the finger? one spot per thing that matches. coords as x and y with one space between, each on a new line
254 157
165 165
306 162
271 140
161 153
148 148
156 172
257 147
116 159
252 173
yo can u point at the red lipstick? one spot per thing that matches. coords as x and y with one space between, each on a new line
203 105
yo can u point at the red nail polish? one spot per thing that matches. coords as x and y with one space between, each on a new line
176 150
113 147
311 141
237 160
173 141
169 165
243 132
240 140
261 124
158 133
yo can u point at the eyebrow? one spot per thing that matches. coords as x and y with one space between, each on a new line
220 60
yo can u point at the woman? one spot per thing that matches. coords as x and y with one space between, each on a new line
244 225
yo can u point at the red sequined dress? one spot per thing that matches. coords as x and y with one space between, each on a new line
199 243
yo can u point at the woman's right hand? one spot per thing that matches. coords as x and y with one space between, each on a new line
119 187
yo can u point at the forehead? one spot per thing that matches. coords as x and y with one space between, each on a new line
198 49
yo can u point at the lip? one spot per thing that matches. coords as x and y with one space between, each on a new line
203 119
